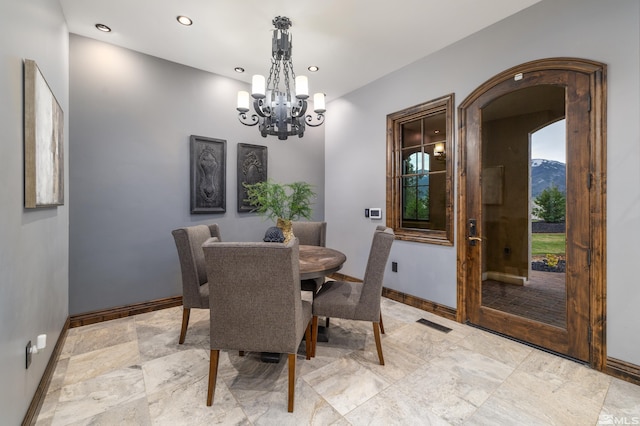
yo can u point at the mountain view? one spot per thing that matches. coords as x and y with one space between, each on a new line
545 173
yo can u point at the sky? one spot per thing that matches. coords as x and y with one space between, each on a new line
549 142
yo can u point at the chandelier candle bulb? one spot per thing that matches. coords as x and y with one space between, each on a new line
243 101
302 87
318 103
258 86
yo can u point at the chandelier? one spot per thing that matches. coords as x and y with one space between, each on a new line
278 112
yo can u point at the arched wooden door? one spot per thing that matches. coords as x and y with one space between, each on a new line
494 227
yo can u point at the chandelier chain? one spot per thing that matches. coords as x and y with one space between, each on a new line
274 76
288 67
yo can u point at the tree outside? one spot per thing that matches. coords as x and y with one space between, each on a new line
550 205
415 193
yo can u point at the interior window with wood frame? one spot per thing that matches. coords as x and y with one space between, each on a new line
419 172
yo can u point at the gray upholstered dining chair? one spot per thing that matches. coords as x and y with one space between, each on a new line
195 289
311 234
357 301
255 303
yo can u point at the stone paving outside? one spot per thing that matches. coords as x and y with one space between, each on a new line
543 299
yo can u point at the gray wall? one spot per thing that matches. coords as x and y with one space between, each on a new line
130 122
33 243
608 32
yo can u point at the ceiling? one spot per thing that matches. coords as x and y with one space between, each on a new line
353 42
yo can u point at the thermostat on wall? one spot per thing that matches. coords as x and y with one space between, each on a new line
375 213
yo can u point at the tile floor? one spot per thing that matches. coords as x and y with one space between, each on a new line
132 371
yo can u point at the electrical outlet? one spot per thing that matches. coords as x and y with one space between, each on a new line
28 354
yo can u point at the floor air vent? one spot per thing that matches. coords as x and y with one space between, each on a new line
434 325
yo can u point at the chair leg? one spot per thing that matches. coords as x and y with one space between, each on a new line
381 324
213 374
185 323
376 334
314 335
308 340
292 381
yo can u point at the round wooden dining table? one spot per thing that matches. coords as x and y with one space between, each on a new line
317 262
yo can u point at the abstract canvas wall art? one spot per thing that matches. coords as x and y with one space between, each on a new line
43 142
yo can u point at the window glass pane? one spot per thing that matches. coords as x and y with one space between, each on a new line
416 163
412 134
416 198
438 160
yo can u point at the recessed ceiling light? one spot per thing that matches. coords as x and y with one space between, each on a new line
313 68
184 20
103 28
239 69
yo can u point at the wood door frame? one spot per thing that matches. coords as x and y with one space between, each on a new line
597 193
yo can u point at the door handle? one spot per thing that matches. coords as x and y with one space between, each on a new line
473 232
472 240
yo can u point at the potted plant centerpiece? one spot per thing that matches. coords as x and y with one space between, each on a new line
282 203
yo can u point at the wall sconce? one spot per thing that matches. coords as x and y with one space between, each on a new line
438 151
